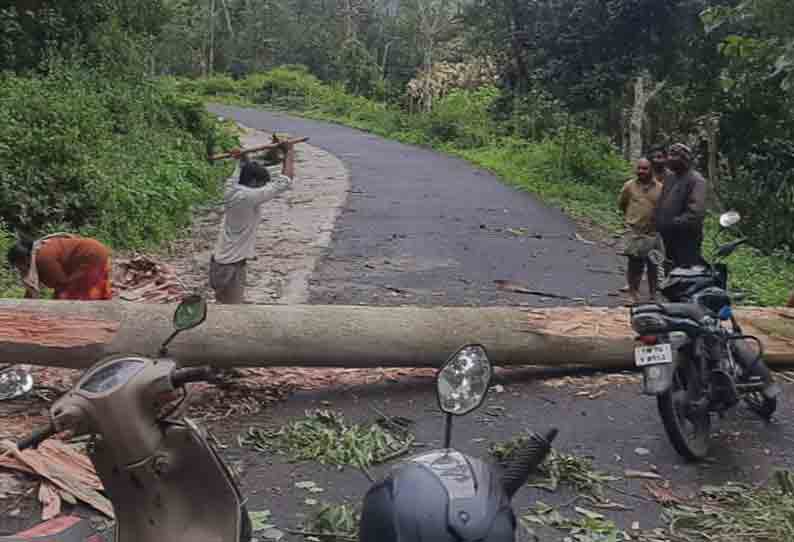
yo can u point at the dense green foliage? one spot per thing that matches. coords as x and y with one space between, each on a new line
111 34
90 142
115 159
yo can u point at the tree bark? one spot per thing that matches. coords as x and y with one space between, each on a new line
641 98
517 30
228 17
77 334
712 132
211 51
637 116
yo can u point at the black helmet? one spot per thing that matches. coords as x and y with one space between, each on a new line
440 496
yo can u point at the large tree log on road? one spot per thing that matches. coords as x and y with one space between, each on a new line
77 334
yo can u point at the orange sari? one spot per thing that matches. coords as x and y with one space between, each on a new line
94 285
76 268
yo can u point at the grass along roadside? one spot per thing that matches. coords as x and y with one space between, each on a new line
572 169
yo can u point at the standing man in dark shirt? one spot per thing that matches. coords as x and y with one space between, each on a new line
658 157
681 209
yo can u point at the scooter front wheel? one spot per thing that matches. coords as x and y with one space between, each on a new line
246 529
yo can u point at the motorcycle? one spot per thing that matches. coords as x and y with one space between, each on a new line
695 358
445 495
164 479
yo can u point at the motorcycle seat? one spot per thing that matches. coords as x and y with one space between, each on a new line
677 310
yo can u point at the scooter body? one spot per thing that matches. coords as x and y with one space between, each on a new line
166 482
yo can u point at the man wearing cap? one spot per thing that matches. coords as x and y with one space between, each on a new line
681 209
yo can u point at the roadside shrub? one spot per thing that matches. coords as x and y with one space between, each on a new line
9 283
763 192
218 84
463 118
589 158
117 158
290 86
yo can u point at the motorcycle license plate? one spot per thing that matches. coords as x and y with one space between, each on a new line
658 354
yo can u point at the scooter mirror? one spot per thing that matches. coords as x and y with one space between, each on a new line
729 219
191 312
463 380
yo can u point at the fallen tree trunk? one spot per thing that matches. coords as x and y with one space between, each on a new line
77 334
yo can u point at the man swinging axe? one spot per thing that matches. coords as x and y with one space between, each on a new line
244 196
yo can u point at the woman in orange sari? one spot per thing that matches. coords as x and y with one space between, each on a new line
76 268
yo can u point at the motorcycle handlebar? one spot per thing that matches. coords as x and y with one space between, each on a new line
727 249
526 461
37 437
180 377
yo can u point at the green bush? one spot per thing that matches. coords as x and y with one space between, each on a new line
219 84
535 167
119 159
290 86
763 192
589 158
9 282
463 118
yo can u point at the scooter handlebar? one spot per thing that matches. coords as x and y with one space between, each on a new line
527 460
180 377
37 437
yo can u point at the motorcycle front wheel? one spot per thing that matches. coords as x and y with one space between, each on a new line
688 429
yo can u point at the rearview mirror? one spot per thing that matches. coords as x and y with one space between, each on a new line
463 380
191 312
729 219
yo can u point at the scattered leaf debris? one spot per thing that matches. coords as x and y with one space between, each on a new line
325 436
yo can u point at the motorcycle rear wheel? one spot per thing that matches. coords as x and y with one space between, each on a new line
689 432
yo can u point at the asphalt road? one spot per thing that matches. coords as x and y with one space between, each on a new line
620 430
428 229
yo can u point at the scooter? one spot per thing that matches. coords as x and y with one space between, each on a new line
445 495
164 479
